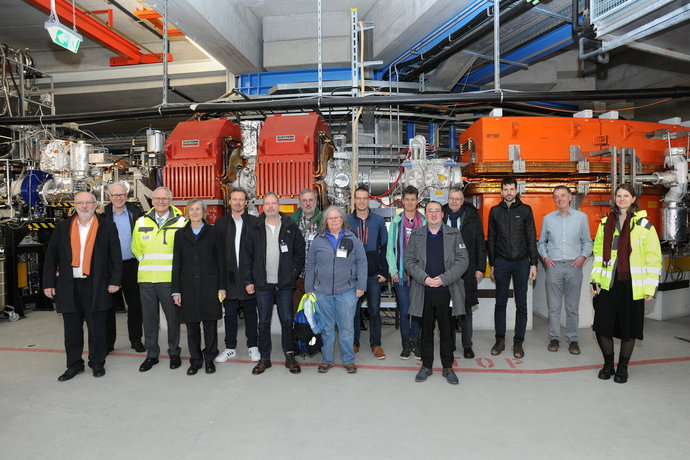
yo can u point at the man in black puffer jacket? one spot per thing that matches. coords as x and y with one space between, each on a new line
512 248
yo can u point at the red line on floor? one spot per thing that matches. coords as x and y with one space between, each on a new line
397 368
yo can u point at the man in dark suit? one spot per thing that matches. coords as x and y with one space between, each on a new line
86 251
124 214
234 228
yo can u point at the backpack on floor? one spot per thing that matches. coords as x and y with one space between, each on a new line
308 326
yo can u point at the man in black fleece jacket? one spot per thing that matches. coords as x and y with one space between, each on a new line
512 247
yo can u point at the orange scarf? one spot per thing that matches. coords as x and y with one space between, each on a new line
75 242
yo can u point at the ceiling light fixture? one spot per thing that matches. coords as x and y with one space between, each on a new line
61 34
206 53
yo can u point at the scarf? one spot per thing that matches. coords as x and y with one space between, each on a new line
402 241
624 249
454 217
75 243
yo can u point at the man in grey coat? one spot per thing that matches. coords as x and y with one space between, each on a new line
436 259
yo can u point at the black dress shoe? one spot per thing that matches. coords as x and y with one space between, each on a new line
138 347
70 374
468 353
98 370
175 362
148 364
193 369
210 367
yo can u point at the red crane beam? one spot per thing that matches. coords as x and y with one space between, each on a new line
100 33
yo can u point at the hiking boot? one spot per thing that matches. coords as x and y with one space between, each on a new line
499 346
518 352
553 345
291 363
574 348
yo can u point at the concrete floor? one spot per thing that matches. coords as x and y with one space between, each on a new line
547 405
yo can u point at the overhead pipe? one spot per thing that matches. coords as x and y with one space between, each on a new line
313 103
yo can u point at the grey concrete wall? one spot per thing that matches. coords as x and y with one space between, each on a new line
302 54
302 26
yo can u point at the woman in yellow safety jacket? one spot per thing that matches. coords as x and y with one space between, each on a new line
627 263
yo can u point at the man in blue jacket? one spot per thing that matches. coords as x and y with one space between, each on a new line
370 228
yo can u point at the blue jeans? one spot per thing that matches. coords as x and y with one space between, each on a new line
374 305
250 322
503 270
338 309
407 333
264 298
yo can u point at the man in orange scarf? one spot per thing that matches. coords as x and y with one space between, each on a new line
82 266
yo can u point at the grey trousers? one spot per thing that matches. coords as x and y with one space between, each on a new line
151 295
563 282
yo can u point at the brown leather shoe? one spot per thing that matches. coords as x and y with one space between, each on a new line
351 368
574 348
323 368
553 345
378 353
499 346
261 366
291 363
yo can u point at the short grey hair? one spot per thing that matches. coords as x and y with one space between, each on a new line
339 210
562 187
170 195
307 190
273 194
122 184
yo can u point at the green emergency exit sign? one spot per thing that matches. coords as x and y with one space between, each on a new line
63 36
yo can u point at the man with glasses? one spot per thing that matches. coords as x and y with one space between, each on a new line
463 216
124 214
83 266
308 218
152 245
370 228
436 258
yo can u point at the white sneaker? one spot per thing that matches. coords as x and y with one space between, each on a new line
226 354
254 354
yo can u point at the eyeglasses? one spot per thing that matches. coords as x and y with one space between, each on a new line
84 203
335 218
118 195
158 198
433 211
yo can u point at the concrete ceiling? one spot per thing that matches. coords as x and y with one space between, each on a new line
234 32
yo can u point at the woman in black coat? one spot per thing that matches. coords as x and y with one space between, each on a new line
198 272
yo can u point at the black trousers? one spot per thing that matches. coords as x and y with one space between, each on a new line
130 289
436 306
210 351
74 328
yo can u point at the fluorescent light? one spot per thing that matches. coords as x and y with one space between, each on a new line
206 53
63 36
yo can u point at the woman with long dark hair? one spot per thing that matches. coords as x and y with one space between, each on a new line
627 264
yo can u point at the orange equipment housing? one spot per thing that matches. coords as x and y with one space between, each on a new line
545 146
287 161
194 160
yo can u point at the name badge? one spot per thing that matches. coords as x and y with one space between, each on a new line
145 237
283 248
341 253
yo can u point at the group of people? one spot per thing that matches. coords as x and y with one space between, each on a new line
195 270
